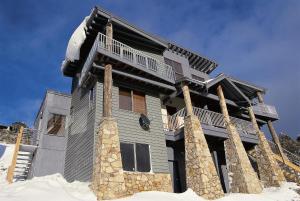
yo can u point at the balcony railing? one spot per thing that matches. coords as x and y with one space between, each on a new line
265 109
176 121
292 157
129 54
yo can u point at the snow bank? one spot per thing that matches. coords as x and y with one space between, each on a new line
54 187
6 153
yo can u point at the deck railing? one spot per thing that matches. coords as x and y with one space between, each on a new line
176 121
292 157
129 54
135 56
266 109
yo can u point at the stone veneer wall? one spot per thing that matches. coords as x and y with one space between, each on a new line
138 181
269 170
201 174
108 179
242 177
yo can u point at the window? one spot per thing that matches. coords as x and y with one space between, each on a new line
177 67
139 102
198 78
142 158
132 100
125 101
127 152
136 157
56 124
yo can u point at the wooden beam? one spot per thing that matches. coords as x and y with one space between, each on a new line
107 91
11 169
187 99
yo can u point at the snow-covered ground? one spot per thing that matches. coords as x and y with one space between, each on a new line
6 153
54 187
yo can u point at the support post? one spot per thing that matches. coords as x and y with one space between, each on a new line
242 177
108 180
11 168
272 130
107 91
187 99
109 35
269 171
201 174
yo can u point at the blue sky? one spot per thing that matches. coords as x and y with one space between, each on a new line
255 40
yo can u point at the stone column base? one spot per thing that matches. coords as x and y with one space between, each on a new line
201 174
143 181
108 177
242 177
269 171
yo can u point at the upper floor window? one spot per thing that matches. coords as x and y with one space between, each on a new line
132 100
56 124
198 78
177 67
135 157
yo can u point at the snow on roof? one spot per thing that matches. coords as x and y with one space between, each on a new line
75 42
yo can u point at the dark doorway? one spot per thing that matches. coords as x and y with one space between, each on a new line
173 165
176 160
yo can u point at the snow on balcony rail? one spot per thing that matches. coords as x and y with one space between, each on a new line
129 54
208 117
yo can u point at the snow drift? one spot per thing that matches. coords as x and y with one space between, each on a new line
55 187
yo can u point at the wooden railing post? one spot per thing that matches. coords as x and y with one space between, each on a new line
11 169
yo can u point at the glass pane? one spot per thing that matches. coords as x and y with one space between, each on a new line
125 99
127 154
56 124
143 158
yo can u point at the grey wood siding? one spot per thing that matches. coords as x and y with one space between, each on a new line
130 130
79 153
82 133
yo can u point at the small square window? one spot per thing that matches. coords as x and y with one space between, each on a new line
56 124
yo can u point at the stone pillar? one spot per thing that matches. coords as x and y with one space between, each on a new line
108 178
201 174
242 177
272 130
269 171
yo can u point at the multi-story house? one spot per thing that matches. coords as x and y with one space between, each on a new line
177 127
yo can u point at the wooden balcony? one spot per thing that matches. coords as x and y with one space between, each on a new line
128 55
209 119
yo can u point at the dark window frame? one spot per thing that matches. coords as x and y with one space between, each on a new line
137 167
